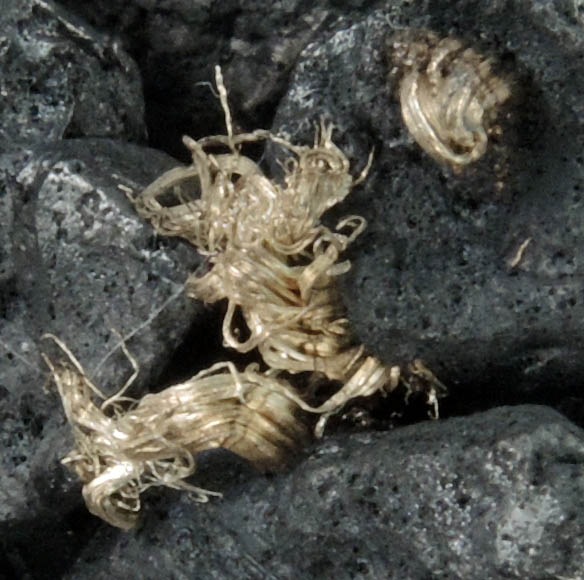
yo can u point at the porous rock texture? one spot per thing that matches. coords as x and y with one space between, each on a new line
495 494
61 79
81 265
178 42
434 275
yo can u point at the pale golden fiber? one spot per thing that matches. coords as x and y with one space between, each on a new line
449 95
270 258
135 445
269 255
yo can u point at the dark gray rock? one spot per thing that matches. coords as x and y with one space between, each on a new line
432 275
7 165
80 263
60 79
176 44
85 263
492 496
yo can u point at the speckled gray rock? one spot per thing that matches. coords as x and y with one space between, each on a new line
495 495
81 264
60 79
178 42
433 275
87 264
492 496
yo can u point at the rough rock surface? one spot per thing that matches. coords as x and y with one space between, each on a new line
496 495
80 263
178 42
493 495
62 79
433 274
